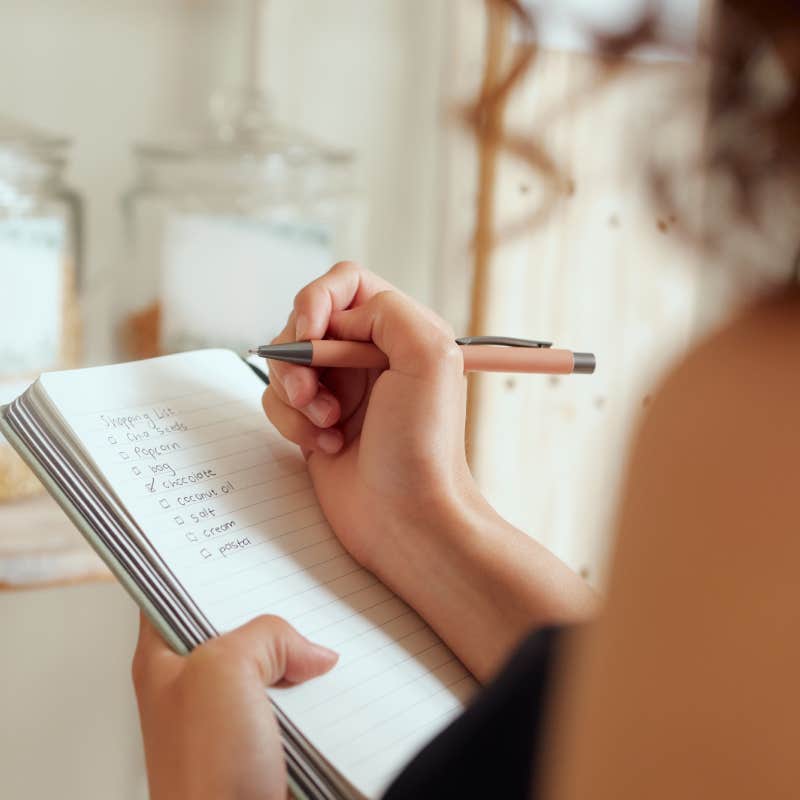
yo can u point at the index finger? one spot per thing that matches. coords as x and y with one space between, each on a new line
344 285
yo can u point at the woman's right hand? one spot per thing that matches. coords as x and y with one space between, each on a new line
386 454
385 449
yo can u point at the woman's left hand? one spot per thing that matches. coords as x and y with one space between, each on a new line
207 723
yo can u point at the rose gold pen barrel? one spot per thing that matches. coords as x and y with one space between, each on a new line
484 358
332 353
488 358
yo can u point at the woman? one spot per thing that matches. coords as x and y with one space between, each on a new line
683 686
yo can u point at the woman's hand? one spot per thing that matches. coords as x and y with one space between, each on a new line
386 454
207 723
385 449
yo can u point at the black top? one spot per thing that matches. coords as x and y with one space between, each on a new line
493 748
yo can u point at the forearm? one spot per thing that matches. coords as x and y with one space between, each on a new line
482 584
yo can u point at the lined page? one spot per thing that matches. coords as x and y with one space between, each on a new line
229 505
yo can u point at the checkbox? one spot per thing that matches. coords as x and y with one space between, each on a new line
123 455
192 537
163 502
205 553
179 520
112 440
136 471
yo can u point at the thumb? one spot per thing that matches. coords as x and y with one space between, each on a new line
279 652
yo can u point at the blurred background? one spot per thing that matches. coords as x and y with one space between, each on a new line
172 171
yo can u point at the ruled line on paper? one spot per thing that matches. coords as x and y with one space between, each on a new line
181 467
217 476
230 512
320 537
430 725
412 656
327 600
178 412
405 710
357 611
303 569
221 420
200 500
283 555
239 452
368 630
240 619
132 406
431 670
256 431
218 536
408 655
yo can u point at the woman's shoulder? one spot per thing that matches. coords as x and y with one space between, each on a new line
696 644
718 448
745 375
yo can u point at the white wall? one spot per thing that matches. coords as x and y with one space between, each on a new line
68 725
365 75
359 74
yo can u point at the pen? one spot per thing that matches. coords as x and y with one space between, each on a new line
481 354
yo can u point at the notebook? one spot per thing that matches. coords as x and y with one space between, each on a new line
208 517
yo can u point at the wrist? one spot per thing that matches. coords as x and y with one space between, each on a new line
442 534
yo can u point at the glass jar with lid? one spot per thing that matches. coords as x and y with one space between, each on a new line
225 228
40 223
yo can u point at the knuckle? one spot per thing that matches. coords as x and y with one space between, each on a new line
274 631
303 297
343 267
447 329
442 346
290 423
387 300
441 351
273 624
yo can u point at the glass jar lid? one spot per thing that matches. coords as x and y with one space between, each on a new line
244 149
30 161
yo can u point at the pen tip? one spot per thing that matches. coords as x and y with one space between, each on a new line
254 352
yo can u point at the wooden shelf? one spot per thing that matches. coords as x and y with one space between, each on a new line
40 547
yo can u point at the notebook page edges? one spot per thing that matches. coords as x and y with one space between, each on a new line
78 477
229 506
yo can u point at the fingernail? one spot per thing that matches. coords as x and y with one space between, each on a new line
325 652
319 409
301 327
330 442
292 384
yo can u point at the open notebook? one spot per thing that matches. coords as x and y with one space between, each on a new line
208 518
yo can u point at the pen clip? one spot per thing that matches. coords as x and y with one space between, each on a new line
507 341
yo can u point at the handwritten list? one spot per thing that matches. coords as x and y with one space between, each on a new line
229 506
